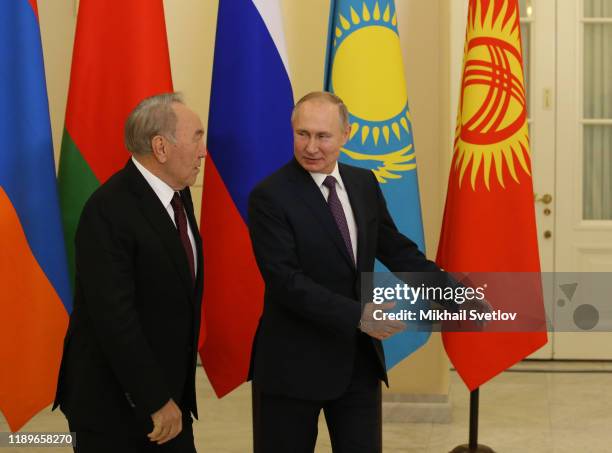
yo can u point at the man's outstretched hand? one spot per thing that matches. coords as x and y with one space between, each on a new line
374 323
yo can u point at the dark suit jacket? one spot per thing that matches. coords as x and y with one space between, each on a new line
132 338
308 336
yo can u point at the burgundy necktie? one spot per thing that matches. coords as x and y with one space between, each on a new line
336 209
181 225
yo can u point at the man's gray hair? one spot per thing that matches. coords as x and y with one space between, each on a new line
324 96
152 116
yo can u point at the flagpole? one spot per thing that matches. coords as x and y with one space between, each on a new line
473 446
328 51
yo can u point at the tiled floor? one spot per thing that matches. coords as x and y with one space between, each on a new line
538 407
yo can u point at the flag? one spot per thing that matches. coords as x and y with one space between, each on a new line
489 220
366 70
249 137
120 57
36 295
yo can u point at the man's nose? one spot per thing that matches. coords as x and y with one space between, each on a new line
311 145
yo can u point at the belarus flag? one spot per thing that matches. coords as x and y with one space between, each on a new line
120 57
249 136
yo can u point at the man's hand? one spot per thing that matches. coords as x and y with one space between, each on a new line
167 423
378 328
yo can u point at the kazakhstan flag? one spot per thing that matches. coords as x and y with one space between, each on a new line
365 68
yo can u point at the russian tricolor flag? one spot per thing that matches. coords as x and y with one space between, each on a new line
35 293
249 137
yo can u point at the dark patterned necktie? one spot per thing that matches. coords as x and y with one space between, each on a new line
336 209
181 225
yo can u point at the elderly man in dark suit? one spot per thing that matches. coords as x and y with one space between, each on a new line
316 225
127 380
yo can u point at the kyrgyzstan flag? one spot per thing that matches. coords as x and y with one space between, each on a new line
120 56
35 294
489 220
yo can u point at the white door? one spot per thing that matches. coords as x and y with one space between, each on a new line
538 37
567 47
583 232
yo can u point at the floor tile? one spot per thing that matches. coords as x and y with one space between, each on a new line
539 407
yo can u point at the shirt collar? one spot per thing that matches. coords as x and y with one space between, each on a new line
163 191
320 177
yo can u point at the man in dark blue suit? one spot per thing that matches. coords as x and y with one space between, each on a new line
316 225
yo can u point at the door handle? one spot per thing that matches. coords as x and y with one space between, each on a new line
546 198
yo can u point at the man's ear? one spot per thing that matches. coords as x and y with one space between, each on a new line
158 147
346 134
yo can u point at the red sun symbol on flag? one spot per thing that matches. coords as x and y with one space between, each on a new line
492 134
498 93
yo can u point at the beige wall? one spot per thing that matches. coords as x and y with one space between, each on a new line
57 22
424 36
191 29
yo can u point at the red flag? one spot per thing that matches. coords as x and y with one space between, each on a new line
120 57
249 77
489 220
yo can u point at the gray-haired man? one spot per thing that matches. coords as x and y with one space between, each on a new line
127 380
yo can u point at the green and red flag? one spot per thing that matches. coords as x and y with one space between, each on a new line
120 57
489 219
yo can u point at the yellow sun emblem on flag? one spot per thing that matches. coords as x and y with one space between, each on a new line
492 131
368 74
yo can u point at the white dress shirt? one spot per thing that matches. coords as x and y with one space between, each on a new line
344 200
165 193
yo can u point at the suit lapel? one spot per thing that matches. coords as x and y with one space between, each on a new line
160 221
307 189
354 189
